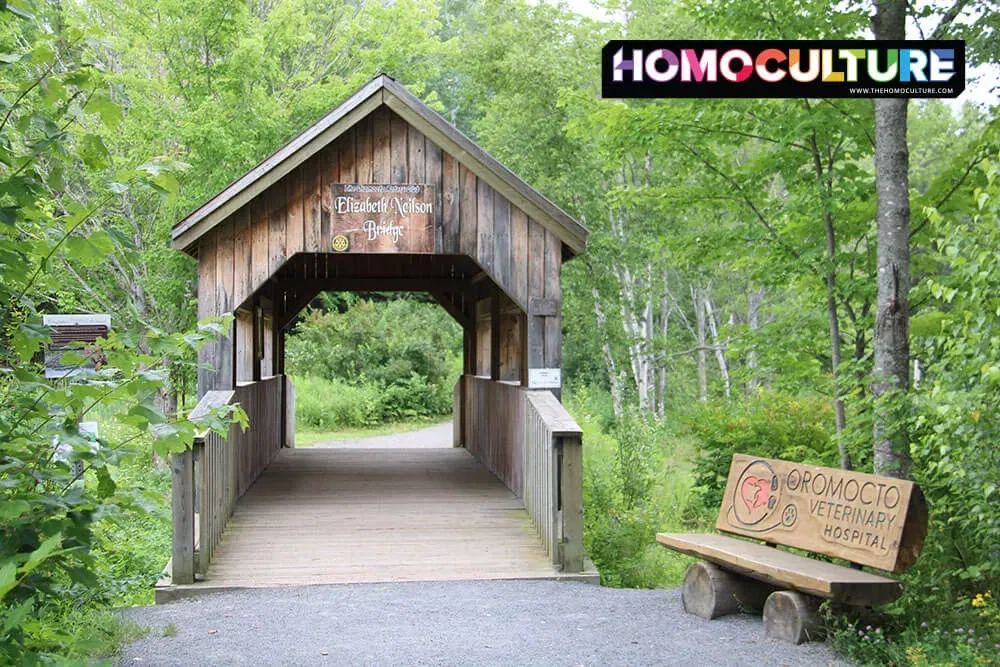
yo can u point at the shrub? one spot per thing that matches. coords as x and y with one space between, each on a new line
375 361
771 425
635 484
323 404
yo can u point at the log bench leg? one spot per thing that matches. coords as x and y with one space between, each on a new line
710 591
793 617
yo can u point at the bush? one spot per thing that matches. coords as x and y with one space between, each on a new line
636 483
375 361
771 425
323 404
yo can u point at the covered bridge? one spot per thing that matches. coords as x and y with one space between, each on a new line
382 194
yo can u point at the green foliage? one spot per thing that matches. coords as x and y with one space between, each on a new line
636 483
376 361
957 421
965 632
322 404
59 489
768 424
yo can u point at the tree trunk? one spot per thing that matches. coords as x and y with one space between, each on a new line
891 343
661 371
835 358
609 359
754 300
720 353
700 337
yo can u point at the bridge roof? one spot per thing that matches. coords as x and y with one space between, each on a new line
382 90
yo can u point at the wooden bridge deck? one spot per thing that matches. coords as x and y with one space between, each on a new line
331 516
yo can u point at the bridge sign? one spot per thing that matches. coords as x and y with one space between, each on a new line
382 218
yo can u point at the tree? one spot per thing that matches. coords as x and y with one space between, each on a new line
891 370
56 482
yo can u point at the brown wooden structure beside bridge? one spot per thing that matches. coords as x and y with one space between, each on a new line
382 195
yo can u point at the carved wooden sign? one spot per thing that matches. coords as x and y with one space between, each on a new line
855 516
382 218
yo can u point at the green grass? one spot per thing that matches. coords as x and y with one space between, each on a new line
306 438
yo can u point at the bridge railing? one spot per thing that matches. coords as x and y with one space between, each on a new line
553 489
528 440
217 471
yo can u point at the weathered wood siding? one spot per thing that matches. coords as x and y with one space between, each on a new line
493 421
520 256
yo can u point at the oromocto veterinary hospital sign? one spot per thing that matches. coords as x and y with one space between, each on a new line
860 516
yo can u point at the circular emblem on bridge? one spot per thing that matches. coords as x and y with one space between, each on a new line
757 494
340 243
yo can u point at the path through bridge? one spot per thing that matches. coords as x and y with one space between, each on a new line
332 516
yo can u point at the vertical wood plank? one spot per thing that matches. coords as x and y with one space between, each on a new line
348 173
417 156
276 227
433 165
553 290
295 230
399 170
501 240
289 412
470 214
484 208
365 149
267 369
519 255
312 187
536 287
259 232
495 335
208 355
241 256
224 288
257 338
381 156
450 203
330 174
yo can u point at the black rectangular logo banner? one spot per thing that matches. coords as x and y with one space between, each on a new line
783 68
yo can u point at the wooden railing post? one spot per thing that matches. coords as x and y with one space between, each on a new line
182 503
571 497
456 414
289 412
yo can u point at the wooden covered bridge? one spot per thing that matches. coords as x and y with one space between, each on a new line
382 194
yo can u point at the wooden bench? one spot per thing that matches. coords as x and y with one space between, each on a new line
863 519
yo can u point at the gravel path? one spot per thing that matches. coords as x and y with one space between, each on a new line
452 623
439 435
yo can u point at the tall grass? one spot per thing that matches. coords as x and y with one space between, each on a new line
638 480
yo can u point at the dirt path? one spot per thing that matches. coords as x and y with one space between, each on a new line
439 435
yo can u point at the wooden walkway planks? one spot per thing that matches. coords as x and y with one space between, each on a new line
329 516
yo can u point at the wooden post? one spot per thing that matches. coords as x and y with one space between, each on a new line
495 335
182 507
282 407
571 499
289 413
258 335
275 334
522 323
